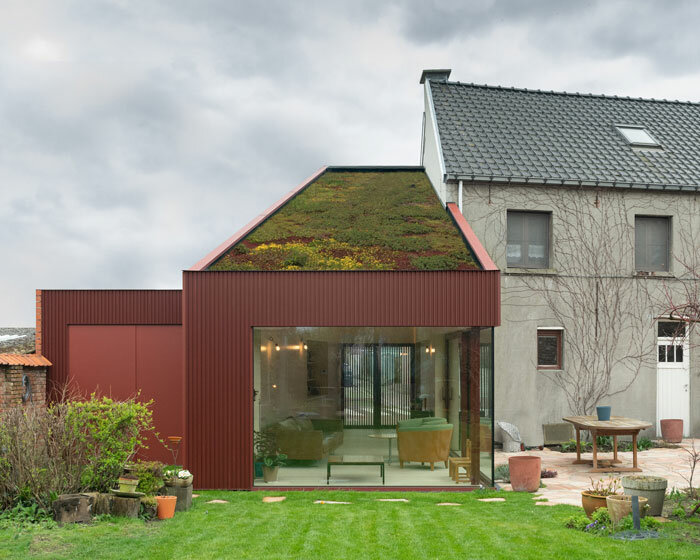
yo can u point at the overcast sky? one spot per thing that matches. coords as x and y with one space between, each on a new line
135 136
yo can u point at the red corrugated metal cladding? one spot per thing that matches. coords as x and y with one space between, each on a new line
220 309
117 343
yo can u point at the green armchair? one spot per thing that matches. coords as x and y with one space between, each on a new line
424 440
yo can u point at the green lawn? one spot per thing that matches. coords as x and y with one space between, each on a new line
297 528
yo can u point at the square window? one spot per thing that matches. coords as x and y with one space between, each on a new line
528 239
637 135
652 243
549 349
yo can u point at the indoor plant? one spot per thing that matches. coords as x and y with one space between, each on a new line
653 488
594 497
268 453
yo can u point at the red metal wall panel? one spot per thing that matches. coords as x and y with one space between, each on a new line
102 360
61 311
121 361
60 308
220 309
160 375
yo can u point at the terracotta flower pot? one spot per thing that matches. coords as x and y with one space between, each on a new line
166 506
592 502
672 430
525 472
620 506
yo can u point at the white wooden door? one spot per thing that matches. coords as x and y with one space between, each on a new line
673 380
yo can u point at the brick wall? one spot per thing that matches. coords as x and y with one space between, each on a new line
11 388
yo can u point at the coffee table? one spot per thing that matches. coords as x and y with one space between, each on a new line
363 460
390 436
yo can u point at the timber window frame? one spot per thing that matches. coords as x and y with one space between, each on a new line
545 359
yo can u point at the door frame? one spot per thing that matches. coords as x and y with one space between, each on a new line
682 368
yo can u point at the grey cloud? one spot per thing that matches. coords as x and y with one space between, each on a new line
165 126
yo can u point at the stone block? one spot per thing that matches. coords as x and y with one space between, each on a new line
184 496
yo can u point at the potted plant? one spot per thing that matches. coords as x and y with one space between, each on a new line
268 453
128 483
175 475
653 488
594 497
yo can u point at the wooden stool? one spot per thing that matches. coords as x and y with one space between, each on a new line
455 463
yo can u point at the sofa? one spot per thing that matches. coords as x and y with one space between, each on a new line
424 440
301 438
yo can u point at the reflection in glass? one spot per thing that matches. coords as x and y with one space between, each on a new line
408 398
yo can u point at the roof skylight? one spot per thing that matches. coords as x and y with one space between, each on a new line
637 135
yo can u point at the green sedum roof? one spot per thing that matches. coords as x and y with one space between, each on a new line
356 220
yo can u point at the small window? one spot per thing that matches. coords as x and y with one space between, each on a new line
549 349
651 243
637 135
528 239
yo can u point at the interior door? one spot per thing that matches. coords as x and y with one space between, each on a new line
672 375
377 380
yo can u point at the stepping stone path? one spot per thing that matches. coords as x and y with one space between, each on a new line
449 504
195 495
272 499
329 502
545 504
217 502
492 499
392 500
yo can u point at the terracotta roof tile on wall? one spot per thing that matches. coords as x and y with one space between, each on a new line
31 360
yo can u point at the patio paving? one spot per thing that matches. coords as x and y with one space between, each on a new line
572 479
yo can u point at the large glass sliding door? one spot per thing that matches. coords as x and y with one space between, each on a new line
408 398
377 384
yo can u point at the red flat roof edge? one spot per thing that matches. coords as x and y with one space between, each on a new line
207 261
479 252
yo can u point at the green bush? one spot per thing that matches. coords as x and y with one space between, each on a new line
150 475
67 447
111 431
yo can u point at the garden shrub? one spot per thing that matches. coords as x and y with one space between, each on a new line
111 431
502 472
67 447
150 475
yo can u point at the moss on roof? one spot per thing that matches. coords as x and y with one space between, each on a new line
356 220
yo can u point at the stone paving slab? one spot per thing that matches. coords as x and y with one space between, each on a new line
572 479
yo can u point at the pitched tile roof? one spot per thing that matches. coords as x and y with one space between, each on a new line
32 360
355 219
496 133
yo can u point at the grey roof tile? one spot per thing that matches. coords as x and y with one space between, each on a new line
492 132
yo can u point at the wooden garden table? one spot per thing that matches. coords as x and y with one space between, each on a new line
616 426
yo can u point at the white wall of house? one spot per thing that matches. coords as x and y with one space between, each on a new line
431 158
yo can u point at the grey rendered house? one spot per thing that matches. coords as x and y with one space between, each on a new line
589 206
